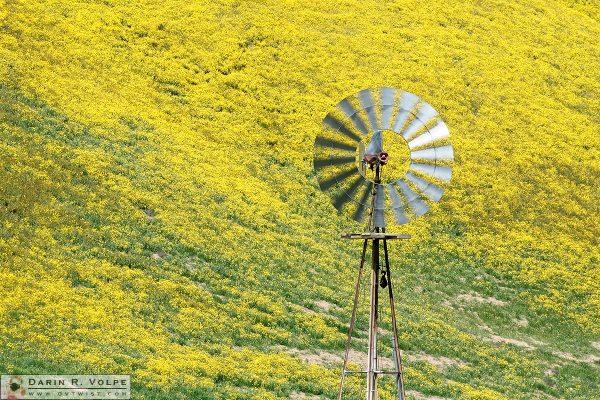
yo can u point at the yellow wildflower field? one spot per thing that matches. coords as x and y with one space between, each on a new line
159 215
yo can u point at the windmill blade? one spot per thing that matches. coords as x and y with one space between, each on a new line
339 126
434 171
351 113
387 96
348 195
439 131
421 140
419 207
360 211
425 114
366 101
429 189
328 183
401 118
433 153
415 202
323 142
386 116
395 197
375 144
397 205
387 105
408 193
334 161
378 215
408 101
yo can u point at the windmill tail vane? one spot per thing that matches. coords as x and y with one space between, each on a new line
374 153
369 131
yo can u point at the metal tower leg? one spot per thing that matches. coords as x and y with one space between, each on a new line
372 351
396 350
353 318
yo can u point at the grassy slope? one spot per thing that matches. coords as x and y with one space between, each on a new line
109 109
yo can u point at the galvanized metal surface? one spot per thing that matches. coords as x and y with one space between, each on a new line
352 319
341 146
395 348
373 314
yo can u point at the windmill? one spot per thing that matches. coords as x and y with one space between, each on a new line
384 157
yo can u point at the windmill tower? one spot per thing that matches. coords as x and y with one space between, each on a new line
384 156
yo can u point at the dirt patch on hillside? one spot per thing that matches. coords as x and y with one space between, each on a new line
514 342
159 256
302 395
441 363
522 322
477 298
359 359
529 344
308 310
323 311
588 359
322 357
326 306
415 395
319 357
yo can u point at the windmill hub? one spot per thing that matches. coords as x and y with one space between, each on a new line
394 154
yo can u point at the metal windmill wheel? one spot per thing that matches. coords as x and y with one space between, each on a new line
398 129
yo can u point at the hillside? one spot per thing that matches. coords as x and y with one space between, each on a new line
159 215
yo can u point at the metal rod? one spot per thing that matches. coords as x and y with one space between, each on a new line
372 351
374 300
397 355
376 181
353 318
